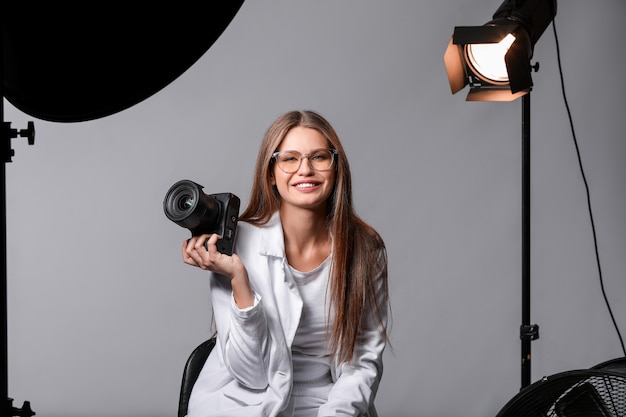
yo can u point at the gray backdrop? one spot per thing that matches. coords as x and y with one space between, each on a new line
103 313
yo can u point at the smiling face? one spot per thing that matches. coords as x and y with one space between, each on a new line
305 188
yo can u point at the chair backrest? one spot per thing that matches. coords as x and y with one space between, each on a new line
193 366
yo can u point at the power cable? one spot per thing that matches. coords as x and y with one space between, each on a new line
582 171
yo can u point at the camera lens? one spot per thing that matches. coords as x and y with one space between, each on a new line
185 202
188 206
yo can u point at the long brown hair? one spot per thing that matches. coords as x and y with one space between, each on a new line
357 298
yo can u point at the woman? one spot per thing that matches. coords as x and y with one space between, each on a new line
301 307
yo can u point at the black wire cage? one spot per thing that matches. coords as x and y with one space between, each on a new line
596 392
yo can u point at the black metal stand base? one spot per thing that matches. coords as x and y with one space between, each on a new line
25 411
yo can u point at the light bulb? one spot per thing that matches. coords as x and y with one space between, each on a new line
487 59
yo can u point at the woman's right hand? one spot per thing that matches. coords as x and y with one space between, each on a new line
201 251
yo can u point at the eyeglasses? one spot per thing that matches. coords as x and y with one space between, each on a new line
290 161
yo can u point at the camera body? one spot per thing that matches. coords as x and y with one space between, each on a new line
188 206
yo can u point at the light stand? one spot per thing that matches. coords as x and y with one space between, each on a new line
7 135
494 60
528 331
6 154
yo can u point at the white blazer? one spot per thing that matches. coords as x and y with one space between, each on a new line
249 372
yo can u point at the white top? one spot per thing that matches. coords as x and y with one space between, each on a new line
310 350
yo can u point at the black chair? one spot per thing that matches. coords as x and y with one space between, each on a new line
194 365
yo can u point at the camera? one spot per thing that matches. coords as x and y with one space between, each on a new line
188 206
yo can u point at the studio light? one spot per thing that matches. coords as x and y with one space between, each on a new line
494 59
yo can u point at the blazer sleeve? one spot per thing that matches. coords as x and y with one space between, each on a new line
243 335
